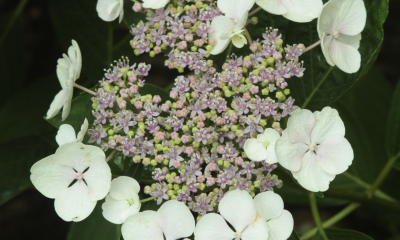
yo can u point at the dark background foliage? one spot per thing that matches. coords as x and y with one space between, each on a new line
28 57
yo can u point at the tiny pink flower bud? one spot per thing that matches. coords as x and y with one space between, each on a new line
301 46
254 89
187 25
156 99
173 94
123 93
182 45
137 7
189 37
138 104
199 42
202 117
165 107
193 8
247 96
134 43
233 117
171 179
224 66
150 101
178 180
122 104
220 149
253 47
140 132
185 139
174 135
179 104
219 121
277 56
201 178
134 89
157 49
212 42
210 181
112 144
159 158
200 124
183 112
238 161
212 70
118 138
176 164
160 136
139 117
146 161
132 78
247 63
189 150
212 166
239 70
195 94
171 65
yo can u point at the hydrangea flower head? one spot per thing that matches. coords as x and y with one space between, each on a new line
339 28
109 10
314 149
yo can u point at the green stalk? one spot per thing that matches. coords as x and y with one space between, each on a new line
14 17
147 199
317 219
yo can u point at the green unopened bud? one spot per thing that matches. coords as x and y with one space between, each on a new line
136 52
196 144
264 63
156 25
278 43
170 186
176 187
131 133
209 48
152 54
94 105
153 162
165 162
185 128
234 128
239 133
147 190
141 125
202 186
271 61
227 164
193 48
159 147
280 96
225 128
208 115
166 149
146 161
256 72
254 20
110 138
228 93
286 91
136 159
244 155
133 100
177 141
265 92
107 87
245 70
220 162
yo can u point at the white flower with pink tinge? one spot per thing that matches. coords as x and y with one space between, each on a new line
314 149
339 28
154 4
261 218
109 10
294 10
76 176
262 147
172 220
66 134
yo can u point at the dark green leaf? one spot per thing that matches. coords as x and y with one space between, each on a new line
95 227
16 162
393 126
342 234
319 194
119 164
293 236
150 205
323 84
135 171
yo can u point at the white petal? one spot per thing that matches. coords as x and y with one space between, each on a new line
351 18
108 10
124 188
154 4
235 8
326 42
269 205
271 136
237 207
74 203
289 154
302 10
281 228
67 103
335 155
121 10
353 41
255 150
258 230
84 128
239 40
63 67
65 134
175 220
311 175
112 209
142 226
220 25
213 227
74 53
49 177
303 122
347 58
327 124
57 104
272 6
242 22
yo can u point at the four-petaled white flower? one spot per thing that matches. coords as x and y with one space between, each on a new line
173 219
339 28
66 134
154 4
294 10
109 10
68 71
76 176
314 149
122 201
230 26
262 147
261 218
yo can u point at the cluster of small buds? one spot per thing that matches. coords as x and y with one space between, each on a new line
181 30
193 142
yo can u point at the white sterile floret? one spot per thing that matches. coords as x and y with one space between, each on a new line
230 26
68 71
122 201
294 10
339 28
76 176
109 10
66 134
172 220
262 147
314 149
154 4
261 218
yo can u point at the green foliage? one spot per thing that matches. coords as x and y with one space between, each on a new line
293 236
323 84
131 17
95 227
342 234
393 126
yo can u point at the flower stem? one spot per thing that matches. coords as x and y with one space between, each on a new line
312 46
14 17
85 89
147 199
317 219
255 11
382 176
111 155
247 34
339 216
